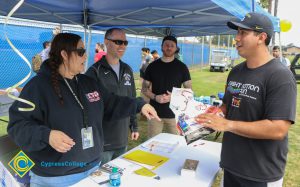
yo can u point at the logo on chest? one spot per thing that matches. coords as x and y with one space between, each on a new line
236 102
127 79
93 96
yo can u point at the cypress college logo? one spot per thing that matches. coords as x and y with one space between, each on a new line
21 164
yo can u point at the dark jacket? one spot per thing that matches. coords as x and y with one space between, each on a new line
115 131
31 130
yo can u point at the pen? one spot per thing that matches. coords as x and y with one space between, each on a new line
103 182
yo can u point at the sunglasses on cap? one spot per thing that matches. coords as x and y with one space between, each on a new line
80 51
119 42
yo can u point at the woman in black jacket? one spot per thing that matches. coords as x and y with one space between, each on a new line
63 134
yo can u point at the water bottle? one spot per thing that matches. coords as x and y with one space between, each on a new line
115 177
201 98
206 100
212 99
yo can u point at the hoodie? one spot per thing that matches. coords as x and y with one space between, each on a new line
115 131
31 130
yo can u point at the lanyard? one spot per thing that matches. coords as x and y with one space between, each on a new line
78 101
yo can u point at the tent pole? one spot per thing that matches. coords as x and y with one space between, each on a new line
84 36
60 28
193 51
202 51
210 48
228 41
280 46
253 5
88 48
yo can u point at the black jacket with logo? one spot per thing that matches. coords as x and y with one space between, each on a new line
115 131
30 130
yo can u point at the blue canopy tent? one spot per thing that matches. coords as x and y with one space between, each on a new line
149 17
152 18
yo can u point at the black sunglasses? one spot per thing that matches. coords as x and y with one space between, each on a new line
119 42
80 51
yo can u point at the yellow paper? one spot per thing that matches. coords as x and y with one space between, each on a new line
144 157
145 172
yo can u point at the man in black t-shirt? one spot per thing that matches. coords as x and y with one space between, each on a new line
160 77
259 107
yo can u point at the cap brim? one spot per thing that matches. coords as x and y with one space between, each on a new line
235 25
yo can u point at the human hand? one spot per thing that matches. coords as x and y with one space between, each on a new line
163 98
135 135
213 121
59 141
167 96
149 112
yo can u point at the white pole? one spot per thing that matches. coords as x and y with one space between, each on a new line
228 41
210 48
88 49
280 47
193 51
202 55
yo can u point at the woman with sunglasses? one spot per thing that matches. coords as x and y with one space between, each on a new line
63 134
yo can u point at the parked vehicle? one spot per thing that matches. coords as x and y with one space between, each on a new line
295 67
220 61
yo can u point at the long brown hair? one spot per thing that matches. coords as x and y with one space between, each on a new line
63 41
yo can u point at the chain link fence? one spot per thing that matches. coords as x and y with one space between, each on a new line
28 37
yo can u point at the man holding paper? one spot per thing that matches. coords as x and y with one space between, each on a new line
259 107
160 77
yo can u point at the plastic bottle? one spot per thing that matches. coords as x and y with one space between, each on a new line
212 99
115 177
201 98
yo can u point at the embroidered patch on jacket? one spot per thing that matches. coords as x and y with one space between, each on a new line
93 96
235 102
127 79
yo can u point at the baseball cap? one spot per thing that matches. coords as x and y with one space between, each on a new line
172 38
254 21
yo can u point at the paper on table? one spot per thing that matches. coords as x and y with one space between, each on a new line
160 146
145 172
144 157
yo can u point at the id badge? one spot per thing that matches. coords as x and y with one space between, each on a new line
87 137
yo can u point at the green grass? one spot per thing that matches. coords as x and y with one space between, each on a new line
3 125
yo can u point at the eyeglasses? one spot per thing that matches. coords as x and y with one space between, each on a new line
119 42
80 51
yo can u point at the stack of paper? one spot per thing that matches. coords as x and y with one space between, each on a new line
146 159
160 146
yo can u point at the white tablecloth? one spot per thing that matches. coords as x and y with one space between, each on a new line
208 154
